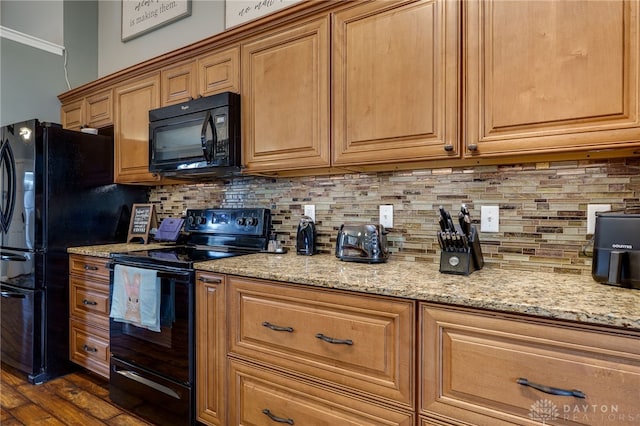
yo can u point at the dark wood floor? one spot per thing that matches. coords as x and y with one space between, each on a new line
76 399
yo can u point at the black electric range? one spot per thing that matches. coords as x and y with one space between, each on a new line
211 234
152 371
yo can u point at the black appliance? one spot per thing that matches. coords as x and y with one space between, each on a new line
616 249
57 191
306 237
153 373
197 138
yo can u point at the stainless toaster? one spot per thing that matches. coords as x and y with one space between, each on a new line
362 243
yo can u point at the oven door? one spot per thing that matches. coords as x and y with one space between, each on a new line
169 352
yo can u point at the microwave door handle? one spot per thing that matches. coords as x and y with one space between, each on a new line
208 122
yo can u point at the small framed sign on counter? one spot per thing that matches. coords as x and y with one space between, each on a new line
143 219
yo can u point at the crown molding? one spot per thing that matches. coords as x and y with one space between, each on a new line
32 41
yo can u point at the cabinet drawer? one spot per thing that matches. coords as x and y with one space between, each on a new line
91 267
89 347
256 394
89 300
472 363
295 328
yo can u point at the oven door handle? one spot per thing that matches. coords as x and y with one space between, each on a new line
163 271
147 382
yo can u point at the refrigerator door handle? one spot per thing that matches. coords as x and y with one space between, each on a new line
12 295
8 198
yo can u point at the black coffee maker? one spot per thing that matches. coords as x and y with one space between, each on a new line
306 239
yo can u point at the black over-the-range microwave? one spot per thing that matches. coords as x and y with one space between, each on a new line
197 138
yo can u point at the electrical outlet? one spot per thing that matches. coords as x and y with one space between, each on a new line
489 219
310 210
591 215
386 215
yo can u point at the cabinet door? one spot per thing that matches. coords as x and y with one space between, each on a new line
474 366
210 349
72 115
99 109
551 76
179 82
395 76
219 72
131 128
285 98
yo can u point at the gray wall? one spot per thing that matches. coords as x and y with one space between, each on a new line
207 19
31 78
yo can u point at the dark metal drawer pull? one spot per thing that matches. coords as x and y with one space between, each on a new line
552 390
277 327
90 268
210 280
89 348
333 340
89 302
275 418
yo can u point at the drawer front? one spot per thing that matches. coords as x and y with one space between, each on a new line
358 341
94 268
89 301
258 397
89 347
472 365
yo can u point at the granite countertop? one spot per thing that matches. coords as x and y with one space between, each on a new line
105 250
549 295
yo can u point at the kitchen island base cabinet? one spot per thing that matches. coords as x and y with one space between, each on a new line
260 397
485 368
211 353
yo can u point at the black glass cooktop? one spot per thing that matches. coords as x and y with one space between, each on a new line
178 256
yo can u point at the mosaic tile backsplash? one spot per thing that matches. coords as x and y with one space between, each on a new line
543 207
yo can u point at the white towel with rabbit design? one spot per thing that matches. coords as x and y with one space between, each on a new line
136 297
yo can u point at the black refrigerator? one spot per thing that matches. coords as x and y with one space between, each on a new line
57 192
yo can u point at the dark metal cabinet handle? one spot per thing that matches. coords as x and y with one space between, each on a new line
89 348
277 327
472 147
89 302
90 268
276 418
210 280
552 390
448 148
333 340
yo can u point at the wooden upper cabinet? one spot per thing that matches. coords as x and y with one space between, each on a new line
179 82
93 111
395 76
219 72
550 76
285 98
133 101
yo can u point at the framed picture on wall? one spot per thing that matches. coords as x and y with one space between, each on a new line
142 16
240 11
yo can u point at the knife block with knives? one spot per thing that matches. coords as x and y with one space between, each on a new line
461 253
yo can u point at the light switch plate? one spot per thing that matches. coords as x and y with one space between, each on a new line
592 209
310 210
386 215
489 219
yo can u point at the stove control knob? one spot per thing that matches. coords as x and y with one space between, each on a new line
241 221
252 221
202 220
190 220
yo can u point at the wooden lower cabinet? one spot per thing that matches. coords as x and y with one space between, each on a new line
210 349
472 363
259 396
89 313
356 342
